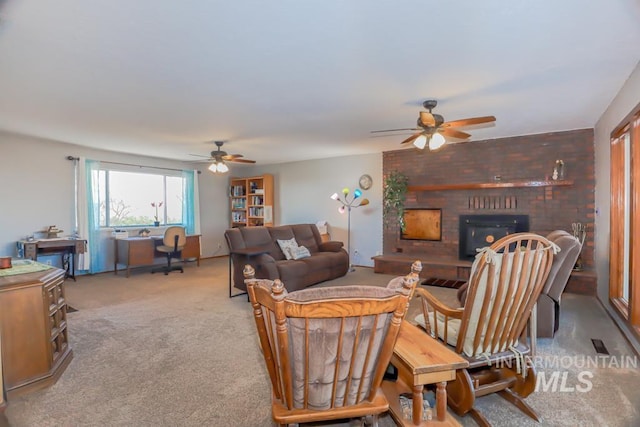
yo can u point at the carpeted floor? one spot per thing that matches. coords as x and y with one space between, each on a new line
156 350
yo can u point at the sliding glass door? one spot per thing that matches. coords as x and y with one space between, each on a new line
624 249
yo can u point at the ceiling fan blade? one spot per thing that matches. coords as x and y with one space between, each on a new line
231 156
427 119
411 138
454 133
469 121
240 160
393 130
200 155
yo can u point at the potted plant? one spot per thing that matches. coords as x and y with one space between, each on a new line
393 198
156 205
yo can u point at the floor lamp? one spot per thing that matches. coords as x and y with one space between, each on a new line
346 203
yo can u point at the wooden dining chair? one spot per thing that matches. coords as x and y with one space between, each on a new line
490 331
327 349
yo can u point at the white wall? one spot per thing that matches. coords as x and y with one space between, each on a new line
624 102
37 190
302 195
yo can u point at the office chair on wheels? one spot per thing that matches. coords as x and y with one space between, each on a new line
172 244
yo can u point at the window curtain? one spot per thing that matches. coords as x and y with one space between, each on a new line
82 225
92 216
191 205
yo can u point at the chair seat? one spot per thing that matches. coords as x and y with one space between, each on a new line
166 249
453 327
377 405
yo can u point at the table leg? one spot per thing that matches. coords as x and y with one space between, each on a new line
229 275
73 265
417 404
231 283
441 400
115 257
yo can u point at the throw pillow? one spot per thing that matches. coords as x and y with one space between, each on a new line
299 252
286 246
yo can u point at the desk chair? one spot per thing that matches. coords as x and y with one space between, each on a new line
172 244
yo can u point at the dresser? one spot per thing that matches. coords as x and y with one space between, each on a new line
33 330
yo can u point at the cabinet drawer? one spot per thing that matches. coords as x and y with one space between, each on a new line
59 345
135 252
192 247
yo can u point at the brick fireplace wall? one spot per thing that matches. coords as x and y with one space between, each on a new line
512 159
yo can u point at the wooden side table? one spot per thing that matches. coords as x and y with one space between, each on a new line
421 360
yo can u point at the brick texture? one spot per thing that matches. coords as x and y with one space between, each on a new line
520 158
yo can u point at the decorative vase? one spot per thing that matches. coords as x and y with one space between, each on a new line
156 223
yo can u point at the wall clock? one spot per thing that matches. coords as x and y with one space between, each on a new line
365 182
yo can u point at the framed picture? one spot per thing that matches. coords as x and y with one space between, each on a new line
422 224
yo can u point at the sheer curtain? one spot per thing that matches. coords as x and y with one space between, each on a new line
89 214
191 202
82 225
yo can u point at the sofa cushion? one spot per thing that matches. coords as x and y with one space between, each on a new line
307 235
287 247
299 252
293 272
259 237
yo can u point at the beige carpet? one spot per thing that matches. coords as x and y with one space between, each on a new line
156 350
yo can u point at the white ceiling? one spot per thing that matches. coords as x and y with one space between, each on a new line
293 80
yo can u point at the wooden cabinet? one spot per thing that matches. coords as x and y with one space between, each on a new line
3 404
251 201
33 326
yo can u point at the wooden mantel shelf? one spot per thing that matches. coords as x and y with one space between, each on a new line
485 185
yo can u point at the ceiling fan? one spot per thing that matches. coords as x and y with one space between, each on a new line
220 158
432 128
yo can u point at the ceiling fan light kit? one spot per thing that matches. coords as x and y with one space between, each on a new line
220 158
218 167
433 128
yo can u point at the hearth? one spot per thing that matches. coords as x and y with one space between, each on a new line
478 231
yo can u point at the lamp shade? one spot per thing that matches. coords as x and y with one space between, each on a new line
334 196
213 167
364 202
357 193
420 141
436 141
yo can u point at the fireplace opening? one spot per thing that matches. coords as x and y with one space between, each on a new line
478 231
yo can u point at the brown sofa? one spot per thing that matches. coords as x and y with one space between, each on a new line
258 247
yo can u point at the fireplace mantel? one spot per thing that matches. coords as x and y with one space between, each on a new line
486 185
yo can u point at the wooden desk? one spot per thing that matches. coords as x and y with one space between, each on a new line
420 360
67 247
33 326
141 251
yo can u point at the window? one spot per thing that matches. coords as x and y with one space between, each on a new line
134 198
624 268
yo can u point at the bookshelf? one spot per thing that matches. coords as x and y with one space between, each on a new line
251 201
